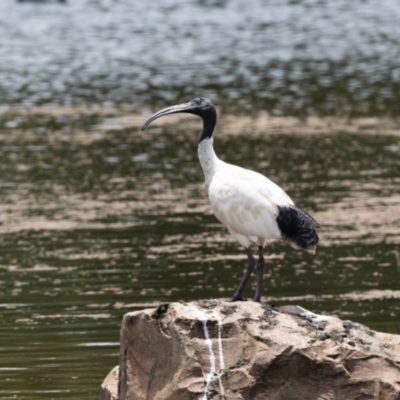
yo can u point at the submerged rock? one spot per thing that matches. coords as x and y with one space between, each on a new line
246 351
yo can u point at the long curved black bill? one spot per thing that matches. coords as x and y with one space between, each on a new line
184 107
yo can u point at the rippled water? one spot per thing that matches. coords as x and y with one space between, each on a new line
296 57
97 218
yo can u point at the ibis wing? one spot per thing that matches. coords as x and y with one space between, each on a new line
247 203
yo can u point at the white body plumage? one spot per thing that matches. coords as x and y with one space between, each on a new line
245 201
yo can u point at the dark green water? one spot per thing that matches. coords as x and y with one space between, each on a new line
95 223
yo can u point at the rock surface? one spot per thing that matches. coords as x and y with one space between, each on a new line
246 351
109 387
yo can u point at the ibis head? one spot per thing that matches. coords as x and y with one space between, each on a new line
200 106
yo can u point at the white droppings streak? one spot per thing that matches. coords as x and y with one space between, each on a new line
221 354
203 317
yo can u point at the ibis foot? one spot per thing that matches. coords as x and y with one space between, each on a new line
237 298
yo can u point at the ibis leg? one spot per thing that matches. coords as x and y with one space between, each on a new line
250 266
260 273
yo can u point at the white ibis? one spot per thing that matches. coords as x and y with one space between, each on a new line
253 208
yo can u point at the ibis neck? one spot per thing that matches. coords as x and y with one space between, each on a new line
208 158
209 122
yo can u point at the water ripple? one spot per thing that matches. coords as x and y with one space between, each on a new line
315 56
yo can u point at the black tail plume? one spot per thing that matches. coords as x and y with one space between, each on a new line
298 228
